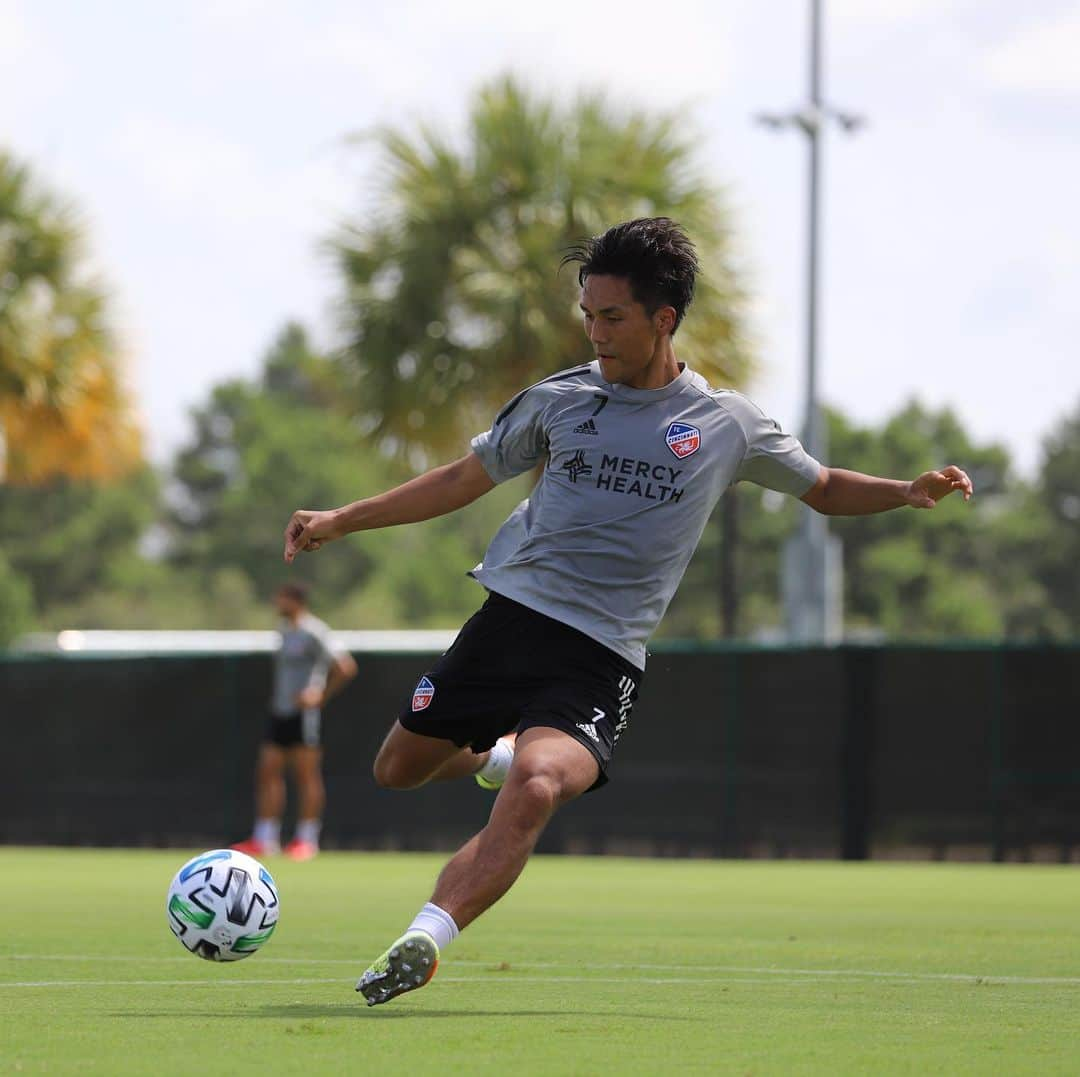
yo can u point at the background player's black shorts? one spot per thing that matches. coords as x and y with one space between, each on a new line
513 668
293 729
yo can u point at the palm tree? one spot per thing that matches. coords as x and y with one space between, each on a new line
452 301
64 409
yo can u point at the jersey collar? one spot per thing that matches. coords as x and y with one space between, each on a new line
645 396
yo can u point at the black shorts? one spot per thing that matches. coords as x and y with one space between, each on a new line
512 668
293 729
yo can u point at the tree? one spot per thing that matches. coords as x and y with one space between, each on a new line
923 574
263 448
81 533
1051 550
961 571
16 603
452 301
64 409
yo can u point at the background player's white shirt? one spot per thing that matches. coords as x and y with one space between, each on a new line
630 480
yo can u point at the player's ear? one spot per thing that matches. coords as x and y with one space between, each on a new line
664 320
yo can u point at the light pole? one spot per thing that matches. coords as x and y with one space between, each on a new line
812 584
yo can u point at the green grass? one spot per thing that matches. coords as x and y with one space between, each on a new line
589 966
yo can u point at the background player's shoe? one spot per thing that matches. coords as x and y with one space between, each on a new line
408 964
257 848
301 850
493 773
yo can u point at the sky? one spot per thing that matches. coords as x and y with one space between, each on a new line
205 146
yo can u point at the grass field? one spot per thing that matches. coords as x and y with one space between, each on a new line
590 965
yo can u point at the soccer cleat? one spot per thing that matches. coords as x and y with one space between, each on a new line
256 848
408 964
301 850
494 771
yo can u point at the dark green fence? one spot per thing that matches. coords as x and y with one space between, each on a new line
853 751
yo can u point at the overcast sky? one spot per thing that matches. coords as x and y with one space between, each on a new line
203 143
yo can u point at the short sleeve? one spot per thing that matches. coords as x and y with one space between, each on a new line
517 441
774 459
327 646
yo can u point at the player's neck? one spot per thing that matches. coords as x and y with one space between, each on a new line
662 370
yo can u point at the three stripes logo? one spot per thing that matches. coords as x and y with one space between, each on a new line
587 427
627 692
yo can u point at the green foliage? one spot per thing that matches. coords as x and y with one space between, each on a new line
263 449
66 538
995 567
921 574
1056 508
452 299
16 603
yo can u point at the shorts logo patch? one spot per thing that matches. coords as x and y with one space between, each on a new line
683 439
423 695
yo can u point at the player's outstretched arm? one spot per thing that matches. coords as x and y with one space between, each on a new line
850 493
435 493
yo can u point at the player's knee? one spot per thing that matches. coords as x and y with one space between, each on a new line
267 770
537 793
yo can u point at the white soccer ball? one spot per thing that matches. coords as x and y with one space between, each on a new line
222 905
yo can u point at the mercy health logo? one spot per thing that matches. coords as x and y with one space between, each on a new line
423 695
683 440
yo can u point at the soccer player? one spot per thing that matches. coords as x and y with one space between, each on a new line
636 450
309 668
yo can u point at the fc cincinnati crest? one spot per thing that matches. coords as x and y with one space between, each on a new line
423 695
683 439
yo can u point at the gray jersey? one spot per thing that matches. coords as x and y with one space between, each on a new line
630 480
302 660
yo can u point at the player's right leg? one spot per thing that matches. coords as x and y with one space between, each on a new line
269 802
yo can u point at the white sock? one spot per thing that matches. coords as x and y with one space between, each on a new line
268 831
308 830
437 923
498 762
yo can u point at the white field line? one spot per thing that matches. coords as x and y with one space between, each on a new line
789 974
486 980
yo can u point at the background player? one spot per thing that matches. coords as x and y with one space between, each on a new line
309 668
637 449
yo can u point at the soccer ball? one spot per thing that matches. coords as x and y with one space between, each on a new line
222 905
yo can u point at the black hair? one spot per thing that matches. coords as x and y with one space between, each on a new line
653 254
297 590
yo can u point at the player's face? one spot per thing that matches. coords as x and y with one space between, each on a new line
624 336
286 604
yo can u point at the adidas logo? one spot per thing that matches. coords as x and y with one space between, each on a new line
587 427
590 731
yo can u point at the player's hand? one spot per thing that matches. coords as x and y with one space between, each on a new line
309 697
310 531
930 487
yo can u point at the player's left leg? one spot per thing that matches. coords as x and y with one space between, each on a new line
550 768
305 761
